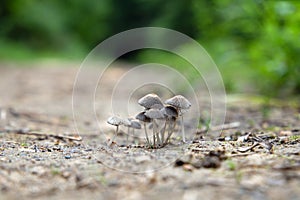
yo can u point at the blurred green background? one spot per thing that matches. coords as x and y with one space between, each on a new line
254 43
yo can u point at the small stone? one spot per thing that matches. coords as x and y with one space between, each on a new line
178 163
36 158
188 167
197 164
67 156
75 151
285 133
211 162
183 160
66 174
227 138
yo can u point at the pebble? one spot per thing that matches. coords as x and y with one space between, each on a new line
38 158
211 162
66 174
187 167
67 156
22 154
75 151
88 149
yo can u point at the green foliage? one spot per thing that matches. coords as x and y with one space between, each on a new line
231 165
254 43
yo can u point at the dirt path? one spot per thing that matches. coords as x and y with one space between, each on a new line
44 166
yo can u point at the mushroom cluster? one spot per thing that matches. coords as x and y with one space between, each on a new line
155 113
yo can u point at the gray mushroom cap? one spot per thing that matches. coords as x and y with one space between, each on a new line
115 121
157 106
169 111
135 124
142 117
154 114
127 122
179 102
150 100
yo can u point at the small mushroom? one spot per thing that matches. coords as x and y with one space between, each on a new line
127 123
151 101
179 102
155 114
115 121
172 120
182 105
143 118
170 113
134 124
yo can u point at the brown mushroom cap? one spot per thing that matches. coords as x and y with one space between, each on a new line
154 114
115 121
150 100
179 102
142 117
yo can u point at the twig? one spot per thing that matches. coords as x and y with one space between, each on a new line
240 154
219 127
243 150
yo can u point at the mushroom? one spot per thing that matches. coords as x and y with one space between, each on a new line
134 124
127 123
115 121
182 105
155 114
151 101
143 118
171 129
171 114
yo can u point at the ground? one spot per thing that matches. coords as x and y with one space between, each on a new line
43 157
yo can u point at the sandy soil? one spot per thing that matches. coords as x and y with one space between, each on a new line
38 160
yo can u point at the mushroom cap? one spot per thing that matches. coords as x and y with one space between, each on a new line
127 122
142 117
115 121
179 102
154 114
149 100
135 124
169 111
157 106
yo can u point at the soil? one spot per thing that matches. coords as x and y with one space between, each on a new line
42 156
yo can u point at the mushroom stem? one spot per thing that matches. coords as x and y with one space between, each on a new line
154 131
182 129
116 132
170 131
163 131
158 138
147 138
158 141
128 129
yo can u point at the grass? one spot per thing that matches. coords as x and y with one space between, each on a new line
231 165
55 171
24 144
294 137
